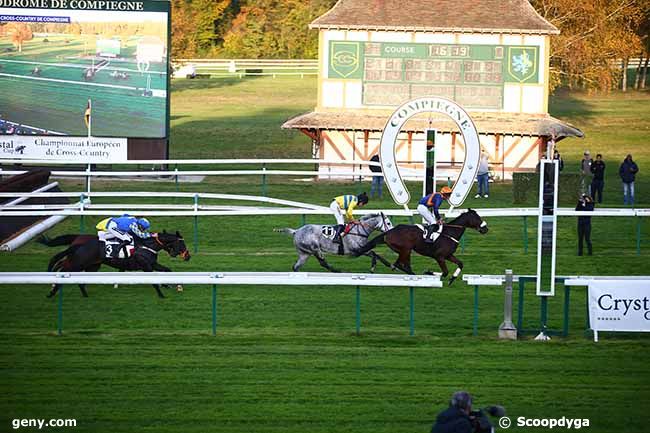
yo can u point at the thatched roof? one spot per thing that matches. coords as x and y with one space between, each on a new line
486 123
466 16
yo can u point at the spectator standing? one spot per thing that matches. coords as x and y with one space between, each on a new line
482 176
556 156
377 181
628 171
585 172
585 204
598 181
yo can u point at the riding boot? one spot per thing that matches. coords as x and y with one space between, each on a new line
337 233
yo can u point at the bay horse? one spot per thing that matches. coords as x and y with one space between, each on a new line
85 255
404 239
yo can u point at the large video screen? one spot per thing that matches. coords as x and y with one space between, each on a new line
84 67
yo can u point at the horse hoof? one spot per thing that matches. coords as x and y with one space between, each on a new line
49 295
428 273
179 288
451 280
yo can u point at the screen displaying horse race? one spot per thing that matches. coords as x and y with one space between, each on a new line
84 67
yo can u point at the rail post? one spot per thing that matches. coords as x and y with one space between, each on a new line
358 315
525 234
507 329
411 311
176 177
263 179
82 225
196 224
638 235
59 316
475 321
214 310
88 178
567 303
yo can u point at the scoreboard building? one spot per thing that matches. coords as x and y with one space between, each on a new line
489 56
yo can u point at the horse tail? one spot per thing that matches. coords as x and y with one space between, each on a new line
57 241
377 240
57 260
286 230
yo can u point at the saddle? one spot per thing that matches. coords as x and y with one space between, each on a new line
430 232
115 248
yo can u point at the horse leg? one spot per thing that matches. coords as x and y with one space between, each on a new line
302 258
443 266
458 270
82 287
324 263
376 257
55 288
403 262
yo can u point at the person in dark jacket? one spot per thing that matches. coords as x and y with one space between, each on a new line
455 419
585 204
598 181
628 171
377 181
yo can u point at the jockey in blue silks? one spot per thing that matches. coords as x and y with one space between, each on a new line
124 226
433 218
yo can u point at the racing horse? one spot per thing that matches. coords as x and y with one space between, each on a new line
316 240
85 255
404 239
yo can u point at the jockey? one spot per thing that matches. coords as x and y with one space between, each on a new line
124 226
433 201
345 203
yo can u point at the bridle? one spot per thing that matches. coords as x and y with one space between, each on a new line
168 247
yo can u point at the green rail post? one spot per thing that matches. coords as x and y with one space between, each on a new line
82 224
638 236
567 294
544 313
475 325
214 310
411 220
196 224
59 318
520 303
358 310
462 244
411 311
303 218
264 180
525 234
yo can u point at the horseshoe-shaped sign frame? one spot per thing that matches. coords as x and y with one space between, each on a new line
465 180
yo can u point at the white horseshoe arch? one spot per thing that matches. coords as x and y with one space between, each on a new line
465 180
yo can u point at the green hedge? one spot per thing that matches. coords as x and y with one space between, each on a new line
526 185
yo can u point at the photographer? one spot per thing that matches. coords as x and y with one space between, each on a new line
585 204
456 418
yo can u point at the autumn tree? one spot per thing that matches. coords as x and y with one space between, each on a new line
593 34
19 33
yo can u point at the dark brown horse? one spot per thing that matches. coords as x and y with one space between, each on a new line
84 255
404 239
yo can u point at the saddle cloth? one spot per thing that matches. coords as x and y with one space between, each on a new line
435 235
109 247
329 231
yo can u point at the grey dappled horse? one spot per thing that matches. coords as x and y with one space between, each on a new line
315 240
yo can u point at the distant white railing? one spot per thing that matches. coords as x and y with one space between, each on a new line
250 67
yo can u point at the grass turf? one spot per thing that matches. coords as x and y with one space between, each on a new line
286 358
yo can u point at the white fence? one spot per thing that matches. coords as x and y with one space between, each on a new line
216 279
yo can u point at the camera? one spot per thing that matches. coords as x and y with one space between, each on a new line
480 421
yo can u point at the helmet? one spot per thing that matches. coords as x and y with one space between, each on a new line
445 190
362 198
144 223
461 400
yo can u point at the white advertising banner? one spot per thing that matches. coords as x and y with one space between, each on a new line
81 149
619 305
